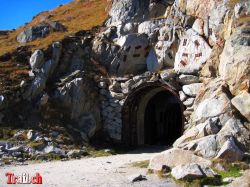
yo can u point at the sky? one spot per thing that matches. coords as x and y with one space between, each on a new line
14 13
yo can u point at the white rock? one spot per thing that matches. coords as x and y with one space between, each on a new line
174 157
198 26
192 89
37 59
192 53
187 172
242 103
188 79
204 129
30 135
189 102
182 95
230 151
212 107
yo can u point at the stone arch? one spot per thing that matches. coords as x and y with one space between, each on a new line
140 125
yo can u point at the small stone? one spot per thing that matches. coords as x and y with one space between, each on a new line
102 85
188 79
22 84
30 135
167 74
189 102
228 179
183 97
137 178
192 89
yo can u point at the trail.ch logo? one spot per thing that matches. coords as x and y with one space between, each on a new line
23 179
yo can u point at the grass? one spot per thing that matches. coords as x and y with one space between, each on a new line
141 164
36 145
94 152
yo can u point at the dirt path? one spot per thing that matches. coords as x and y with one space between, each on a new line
103 171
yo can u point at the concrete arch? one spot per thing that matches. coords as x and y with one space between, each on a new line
152 112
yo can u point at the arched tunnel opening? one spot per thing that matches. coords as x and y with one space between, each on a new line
152 115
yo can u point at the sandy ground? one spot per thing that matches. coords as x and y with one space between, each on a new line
103 171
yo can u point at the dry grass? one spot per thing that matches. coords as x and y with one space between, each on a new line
77 15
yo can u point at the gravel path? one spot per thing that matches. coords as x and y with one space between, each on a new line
102 171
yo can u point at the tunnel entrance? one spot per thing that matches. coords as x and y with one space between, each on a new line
152 115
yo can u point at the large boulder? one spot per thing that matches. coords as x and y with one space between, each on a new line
192 89
174 157
212 101
104 52
214 10
204 129
37 60
242 103
230 151
167 44
39 31
43 74
187 172
192 171
193 52
234 66
78 97
234 128
127 11
131 59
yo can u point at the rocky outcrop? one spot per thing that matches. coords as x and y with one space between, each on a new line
234 61
39 31
242 103
132 55
128 11
192 53
41 77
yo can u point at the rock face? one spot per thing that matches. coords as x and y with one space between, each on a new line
39 83
79 101
242 103
39 31
230 151
191 172
192 53
132 56
37 60
234 63
128 11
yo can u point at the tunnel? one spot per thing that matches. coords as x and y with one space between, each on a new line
152 115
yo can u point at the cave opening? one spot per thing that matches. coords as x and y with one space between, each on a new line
152 115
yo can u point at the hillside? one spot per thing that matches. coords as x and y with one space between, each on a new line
75 16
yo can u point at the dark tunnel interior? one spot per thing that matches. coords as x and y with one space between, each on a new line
152 116
163 120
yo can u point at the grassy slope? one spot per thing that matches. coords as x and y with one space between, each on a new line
77 15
